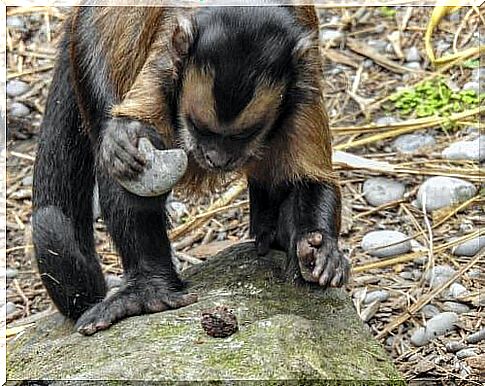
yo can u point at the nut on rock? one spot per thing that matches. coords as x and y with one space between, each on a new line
163 170
219 322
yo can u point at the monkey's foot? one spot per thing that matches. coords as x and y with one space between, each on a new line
321 261
263 241
118 153
133 299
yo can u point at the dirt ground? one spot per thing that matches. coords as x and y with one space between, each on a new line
367 55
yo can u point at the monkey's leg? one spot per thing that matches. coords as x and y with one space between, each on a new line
310 221
62 220
264 211
137 226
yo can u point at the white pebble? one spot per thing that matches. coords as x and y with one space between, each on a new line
379 191
473 86
476 337
379 295
383 241
10 308
412 55
410 143
466 353
413 65
16 87
439 274
330 34
442 192
429 311
388 120
11 273
456 290
466 150
369 312
455 307
454 346
436 326
470 247
18 109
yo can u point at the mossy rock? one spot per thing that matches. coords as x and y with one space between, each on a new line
287 335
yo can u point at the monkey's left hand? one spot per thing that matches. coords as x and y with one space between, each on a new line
321 261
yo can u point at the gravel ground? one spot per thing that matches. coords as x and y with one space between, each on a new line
418 189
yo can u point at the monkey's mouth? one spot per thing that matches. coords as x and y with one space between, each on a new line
228 167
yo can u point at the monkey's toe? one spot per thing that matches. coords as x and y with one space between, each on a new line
127 302
263 242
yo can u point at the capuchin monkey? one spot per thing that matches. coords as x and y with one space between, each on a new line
239 89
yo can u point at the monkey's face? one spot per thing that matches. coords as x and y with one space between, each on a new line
224 132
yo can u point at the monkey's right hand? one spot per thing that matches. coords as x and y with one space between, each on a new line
118 152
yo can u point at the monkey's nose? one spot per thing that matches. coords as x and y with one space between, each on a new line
216 160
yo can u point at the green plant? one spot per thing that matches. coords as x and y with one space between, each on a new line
387 11
434 97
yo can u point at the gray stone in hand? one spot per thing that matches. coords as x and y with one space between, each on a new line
163 170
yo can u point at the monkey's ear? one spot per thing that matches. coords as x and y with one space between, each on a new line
304 44
183 36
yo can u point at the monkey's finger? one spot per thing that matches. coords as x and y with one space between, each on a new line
136 161
126 146
121 170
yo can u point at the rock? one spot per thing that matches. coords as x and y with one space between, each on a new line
429 311
11 273
413 65
439 274
410 143
379 239
388 120
10 308
164 169
19 110
17 87
456 290
466 150
312 334
379 191
476 337
412 55
330 34
369 312
379 295
475 273
466 353
378 45
454 346
470 247
455 307
436 326
442 192
473 86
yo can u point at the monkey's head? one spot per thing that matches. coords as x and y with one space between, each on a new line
237 65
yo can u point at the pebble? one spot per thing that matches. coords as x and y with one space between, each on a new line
330 34
410 143
379 191
429 311
470 247
10 308
412 55
436 326
176 210
454 346
406 275
476 337
378 45
442 192
17 87
456 290
388 120
379 295
466 150
11 273
475 273
455 307
439 274
368 63
474 86
382 239
18 109
27 180
466 353
15 22
113 281
413 65
164 169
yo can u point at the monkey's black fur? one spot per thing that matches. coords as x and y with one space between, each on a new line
80 143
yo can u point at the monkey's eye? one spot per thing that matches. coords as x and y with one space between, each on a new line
247 134
200 130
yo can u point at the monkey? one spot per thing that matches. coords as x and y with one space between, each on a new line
239 89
